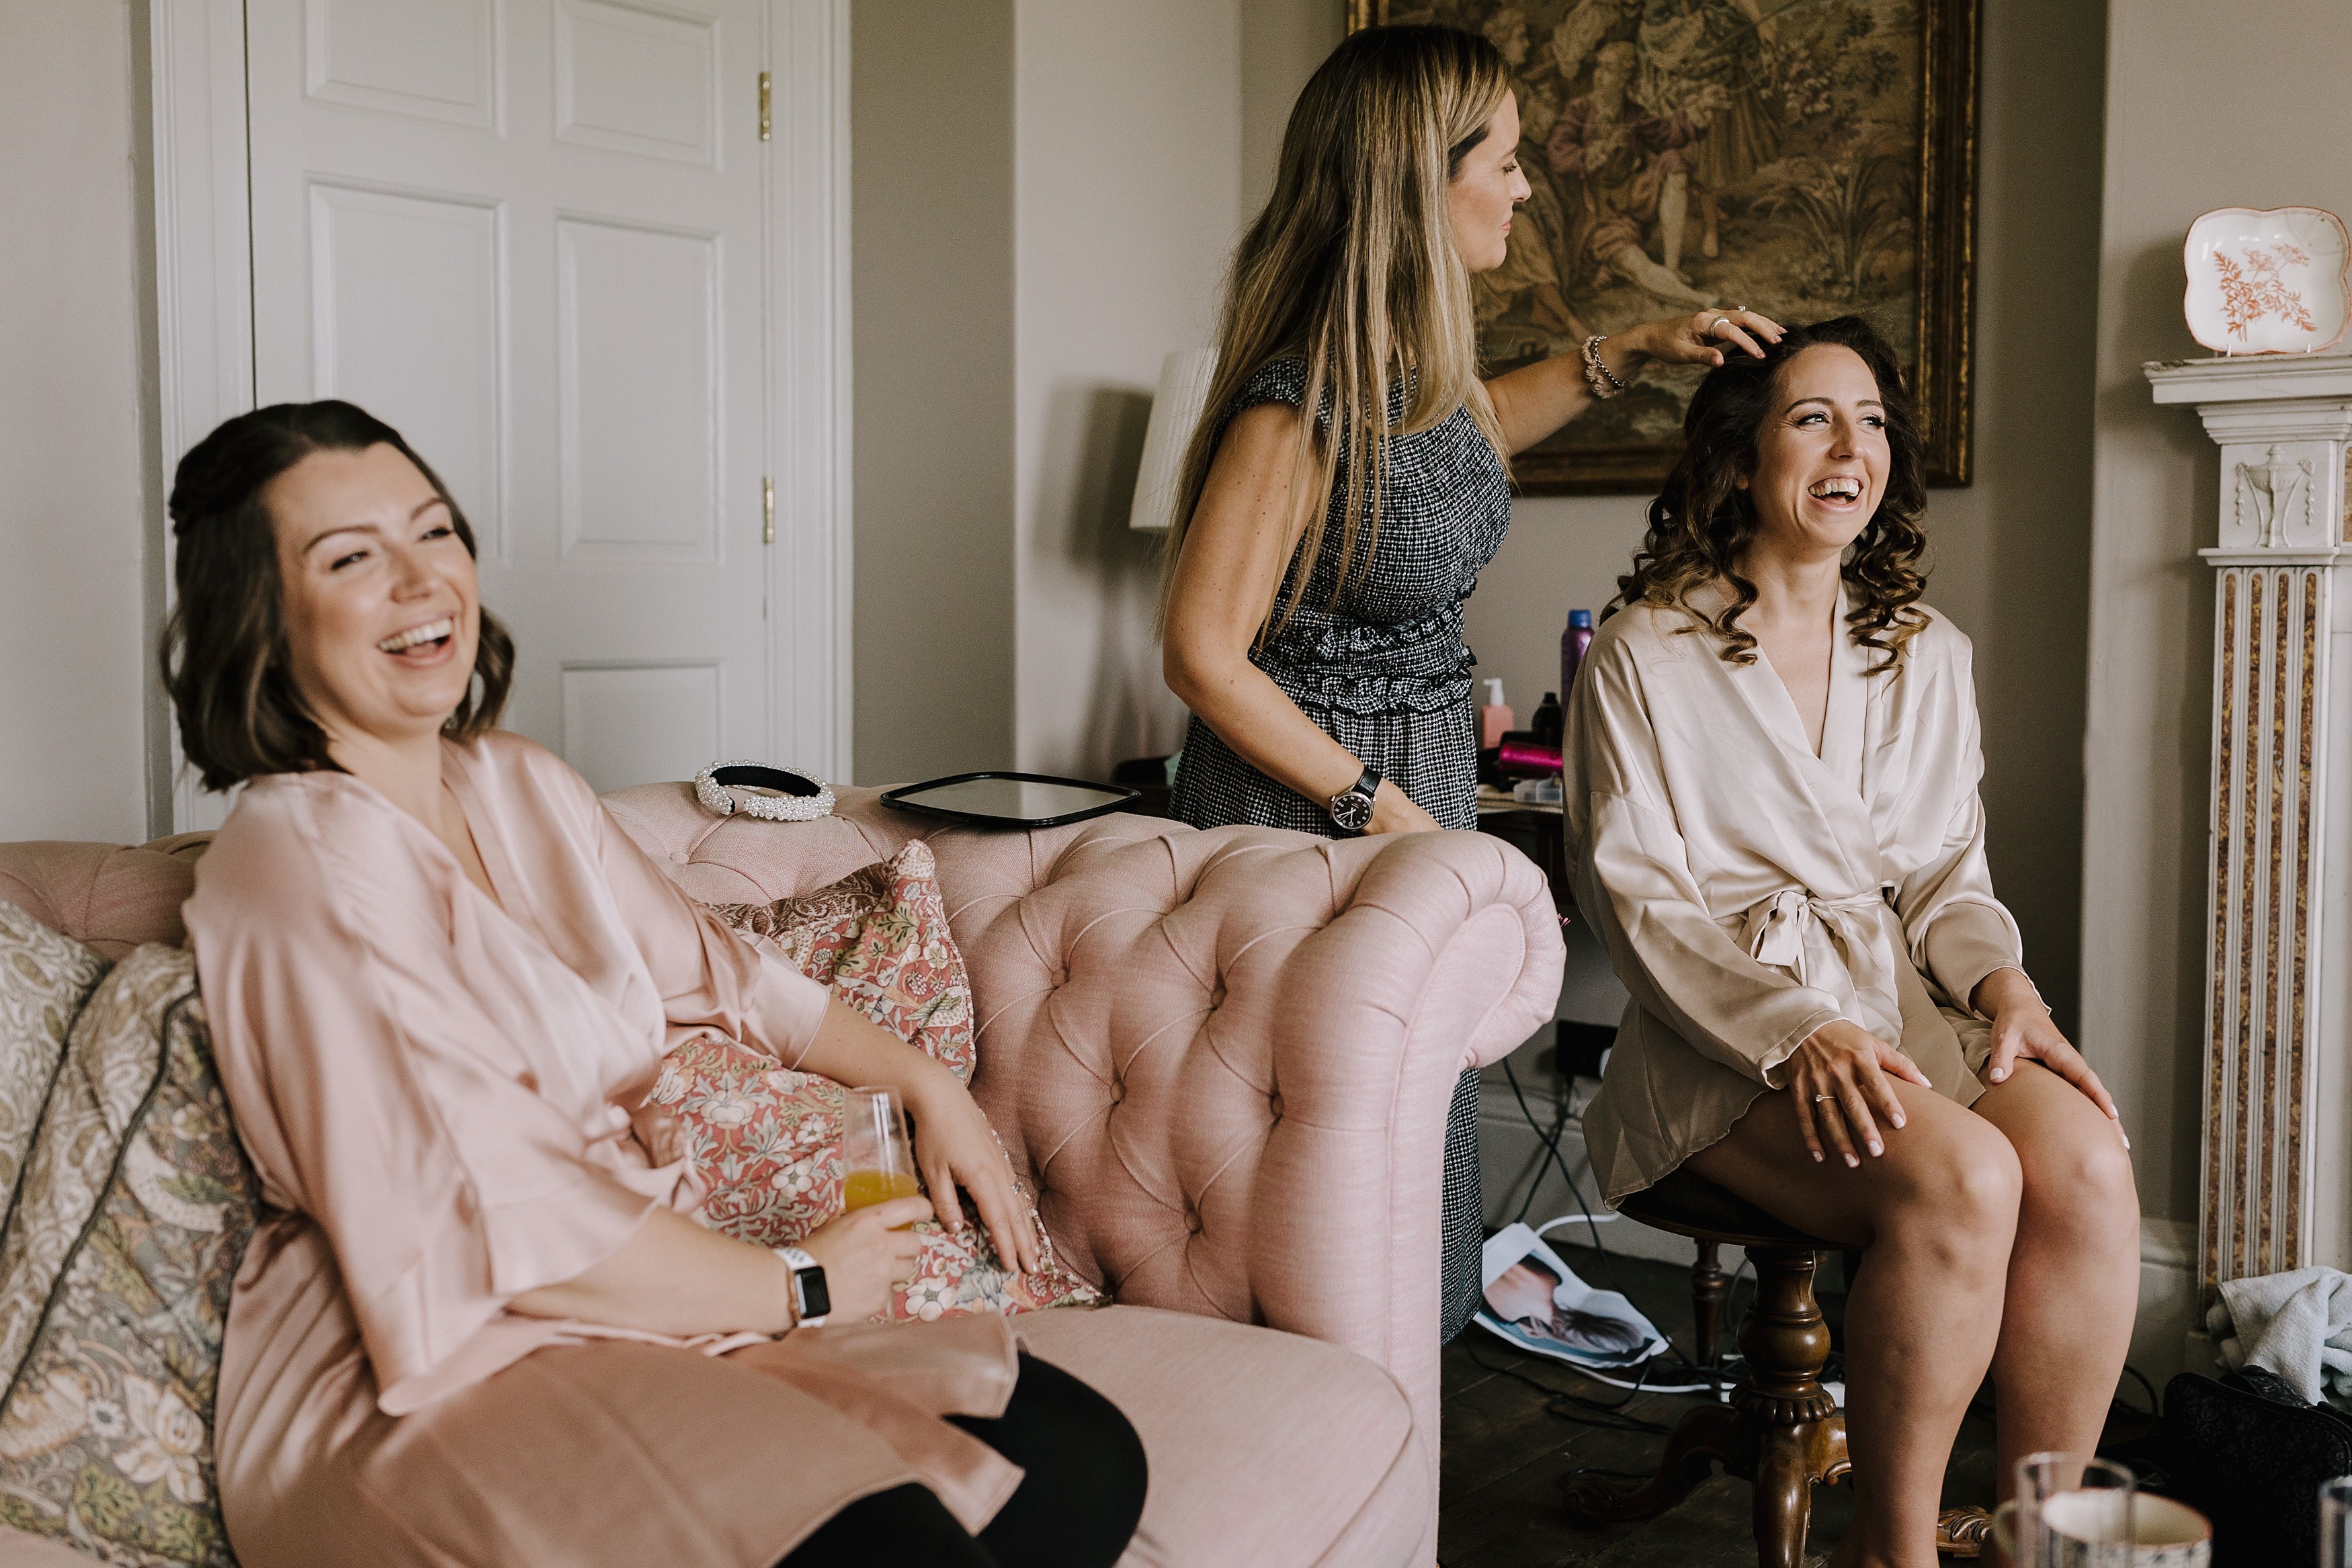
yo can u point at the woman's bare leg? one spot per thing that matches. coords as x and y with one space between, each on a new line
1938 1211
2074 1273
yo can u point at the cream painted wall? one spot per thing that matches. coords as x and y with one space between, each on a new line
1047 191
1282 43
1127 195
2012 549
72 619
931 117
2193 122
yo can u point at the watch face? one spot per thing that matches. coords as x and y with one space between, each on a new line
1351 812
817 1302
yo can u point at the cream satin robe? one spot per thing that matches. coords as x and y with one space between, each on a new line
434 1087
1751 891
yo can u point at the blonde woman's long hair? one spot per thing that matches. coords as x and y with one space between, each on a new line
1352 265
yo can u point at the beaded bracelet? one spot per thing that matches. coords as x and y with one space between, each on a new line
1597 375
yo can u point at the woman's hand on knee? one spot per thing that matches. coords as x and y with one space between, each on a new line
1841 1081
2022 1030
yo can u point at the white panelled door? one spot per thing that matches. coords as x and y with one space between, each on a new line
531 234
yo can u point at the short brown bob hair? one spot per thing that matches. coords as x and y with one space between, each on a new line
224 653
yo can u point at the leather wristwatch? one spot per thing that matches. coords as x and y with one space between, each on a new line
812 1302
1351 808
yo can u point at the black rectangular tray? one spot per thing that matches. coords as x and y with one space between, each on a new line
1119 796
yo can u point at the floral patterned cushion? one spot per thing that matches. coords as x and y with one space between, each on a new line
766 1140
136 1208
45 977
880 937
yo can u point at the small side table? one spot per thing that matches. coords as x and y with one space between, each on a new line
1539 831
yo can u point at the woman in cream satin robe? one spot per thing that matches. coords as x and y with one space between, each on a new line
1773 804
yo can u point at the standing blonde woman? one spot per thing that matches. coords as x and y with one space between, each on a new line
1312 605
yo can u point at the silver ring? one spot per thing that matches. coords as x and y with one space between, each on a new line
1719 321
1819 1098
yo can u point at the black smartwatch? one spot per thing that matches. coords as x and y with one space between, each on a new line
1351 808
812 1302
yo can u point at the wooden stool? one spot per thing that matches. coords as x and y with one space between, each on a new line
1781 1432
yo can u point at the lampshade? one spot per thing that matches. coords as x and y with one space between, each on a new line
1184 378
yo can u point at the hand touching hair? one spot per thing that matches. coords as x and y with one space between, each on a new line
1703 520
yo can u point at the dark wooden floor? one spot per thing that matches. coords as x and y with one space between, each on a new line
1505 1452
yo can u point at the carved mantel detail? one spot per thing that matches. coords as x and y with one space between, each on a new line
2276 1177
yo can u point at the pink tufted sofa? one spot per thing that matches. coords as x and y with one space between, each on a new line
1225 1059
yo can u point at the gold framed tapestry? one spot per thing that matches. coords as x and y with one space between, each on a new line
1805 157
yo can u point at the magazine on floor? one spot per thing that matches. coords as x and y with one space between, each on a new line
1536 1302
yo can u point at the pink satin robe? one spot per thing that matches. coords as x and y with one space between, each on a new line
432 1085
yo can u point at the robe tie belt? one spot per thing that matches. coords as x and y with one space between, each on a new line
1852 948
1844 946
1774 931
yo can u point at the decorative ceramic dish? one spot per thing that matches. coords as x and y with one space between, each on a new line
2268 281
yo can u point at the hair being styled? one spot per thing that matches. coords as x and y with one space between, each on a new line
1352 265
224 652
1702 521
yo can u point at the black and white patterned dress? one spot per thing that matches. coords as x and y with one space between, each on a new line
1386 674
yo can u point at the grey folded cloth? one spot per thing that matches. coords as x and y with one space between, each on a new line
2297 1324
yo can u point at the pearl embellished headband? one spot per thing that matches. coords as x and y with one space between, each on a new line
800 798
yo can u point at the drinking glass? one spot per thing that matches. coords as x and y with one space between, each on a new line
2070 1510
878 1163
2336 1523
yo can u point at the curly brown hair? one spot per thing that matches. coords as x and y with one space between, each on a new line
225 657
1702 521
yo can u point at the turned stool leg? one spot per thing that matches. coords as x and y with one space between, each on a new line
1781 1431
1800 1431
1709 1283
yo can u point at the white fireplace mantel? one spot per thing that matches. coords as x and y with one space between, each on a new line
2276 1177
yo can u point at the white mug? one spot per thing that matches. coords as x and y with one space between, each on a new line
2080 1529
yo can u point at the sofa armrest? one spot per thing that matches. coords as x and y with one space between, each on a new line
1226 1057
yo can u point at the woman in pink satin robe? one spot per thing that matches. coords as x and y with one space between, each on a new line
475 1325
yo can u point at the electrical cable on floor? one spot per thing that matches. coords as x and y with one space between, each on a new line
1611 1413
1558 1125
1551 1143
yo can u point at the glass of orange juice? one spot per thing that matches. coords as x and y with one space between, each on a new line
878 1161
